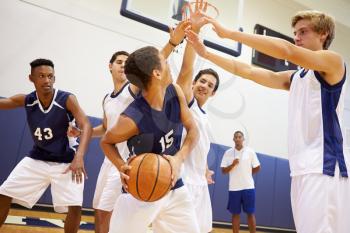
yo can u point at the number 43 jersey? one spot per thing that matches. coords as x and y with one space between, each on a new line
48 128
159 131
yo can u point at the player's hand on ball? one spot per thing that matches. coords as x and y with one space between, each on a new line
175 162
131 158
124 176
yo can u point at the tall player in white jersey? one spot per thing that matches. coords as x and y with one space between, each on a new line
318 160
197 175
108 186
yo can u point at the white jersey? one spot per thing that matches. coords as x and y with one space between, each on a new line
113 105
241 176
315 140
195 164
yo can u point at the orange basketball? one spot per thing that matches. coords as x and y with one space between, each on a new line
149 177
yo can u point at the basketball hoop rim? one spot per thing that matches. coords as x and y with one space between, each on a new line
208 4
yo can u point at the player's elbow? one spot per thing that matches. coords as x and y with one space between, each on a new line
103 142
87 127
287 52
256 169
224 171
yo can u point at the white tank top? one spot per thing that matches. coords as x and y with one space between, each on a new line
315 137
113 106
196 162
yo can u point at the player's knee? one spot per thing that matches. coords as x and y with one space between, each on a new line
102 213
74 209
5 200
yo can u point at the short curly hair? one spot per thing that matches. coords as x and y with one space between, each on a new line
41 62
140 65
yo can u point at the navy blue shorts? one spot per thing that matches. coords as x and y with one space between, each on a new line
241 199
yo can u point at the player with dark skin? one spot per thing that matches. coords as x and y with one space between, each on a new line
43 78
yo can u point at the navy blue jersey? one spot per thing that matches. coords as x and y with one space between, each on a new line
48 128
160 132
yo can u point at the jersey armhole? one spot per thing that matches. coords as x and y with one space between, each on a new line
191 102
104 99
292 76
133 95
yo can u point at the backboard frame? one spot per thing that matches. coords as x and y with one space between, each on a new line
128 13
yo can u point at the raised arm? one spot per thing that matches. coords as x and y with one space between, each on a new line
185 77
191 136
15 101
176 37
189 124
276 80
324 61
77 165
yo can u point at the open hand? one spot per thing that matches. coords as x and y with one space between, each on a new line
196 43
220 30
178 34
196 15
78 170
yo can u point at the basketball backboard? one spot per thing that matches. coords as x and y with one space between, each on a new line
161 14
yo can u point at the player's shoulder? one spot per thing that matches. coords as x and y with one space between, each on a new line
62 92
175 89
32 95
62 97
248 149
135 110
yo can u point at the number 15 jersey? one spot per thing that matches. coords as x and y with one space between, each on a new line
159 131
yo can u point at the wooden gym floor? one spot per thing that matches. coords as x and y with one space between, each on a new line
11 226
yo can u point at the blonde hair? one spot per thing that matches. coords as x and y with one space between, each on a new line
321 23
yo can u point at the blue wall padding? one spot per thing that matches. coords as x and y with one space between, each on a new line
220 188
272 183
264 189
273 208
12 127
282 202
93 161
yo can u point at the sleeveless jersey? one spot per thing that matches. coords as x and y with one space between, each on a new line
195 165
315 138
159 131
48 128
113 106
